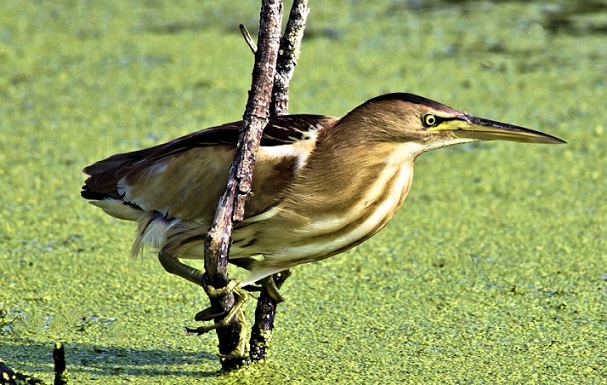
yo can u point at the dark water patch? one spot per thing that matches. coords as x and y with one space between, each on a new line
577 18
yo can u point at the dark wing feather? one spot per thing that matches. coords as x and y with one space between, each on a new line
135 177
105 174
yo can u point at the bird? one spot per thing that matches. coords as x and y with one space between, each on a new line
321 184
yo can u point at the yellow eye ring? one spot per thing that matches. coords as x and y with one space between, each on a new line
429 120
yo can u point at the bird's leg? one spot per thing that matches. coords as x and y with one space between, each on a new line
174 266
281 277
272 284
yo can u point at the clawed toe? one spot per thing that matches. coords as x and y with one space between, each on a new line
210 314
213 292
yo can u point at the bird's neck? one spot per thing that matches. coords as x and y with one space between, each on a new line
343 181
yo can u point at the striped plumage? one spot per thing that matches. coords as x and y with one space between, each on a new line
321 184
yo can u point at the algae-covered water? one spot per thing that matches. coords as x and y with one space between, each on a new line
494 271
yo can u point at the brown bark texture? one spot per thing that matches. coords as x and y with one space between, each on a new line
287 56
230 209
290 44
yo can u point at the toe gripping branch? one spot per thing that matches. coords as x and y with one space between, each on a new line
236 351
222 318
225 310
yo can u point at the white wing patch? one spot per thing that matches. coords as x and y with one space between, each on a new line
300 148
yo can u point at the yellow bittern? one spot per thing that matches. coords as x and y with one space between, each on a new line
321 184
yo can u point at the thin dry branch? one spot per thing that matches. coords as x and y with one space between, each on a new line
261 333
287 56
231 204
248 38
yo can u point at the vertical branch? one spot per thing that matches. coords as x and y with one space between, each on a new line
287 56
231 204
61 375
261 334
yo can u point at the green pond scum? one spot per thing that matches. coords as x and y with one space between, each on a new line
494 271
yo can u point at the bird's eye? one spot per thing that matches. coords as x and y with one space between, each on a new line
429 120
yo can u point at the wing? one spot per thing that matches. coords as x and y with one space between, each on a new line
184 178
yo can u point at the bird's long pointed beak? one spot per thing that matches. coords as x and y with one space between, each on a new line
468 126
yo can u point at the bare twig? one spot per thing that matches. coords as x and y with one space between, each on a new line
265 312
287 56
261 334
248 38
61 375
231 204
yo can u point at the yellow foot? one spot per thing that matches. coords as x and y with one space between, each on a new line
273 283
208 314
269 285
221 292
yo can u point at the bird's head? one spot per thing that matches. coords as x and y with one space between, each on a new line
402 117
